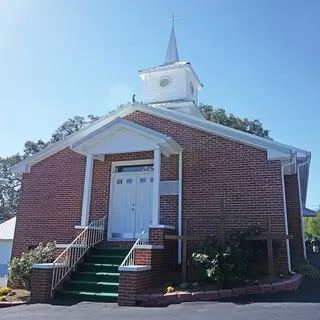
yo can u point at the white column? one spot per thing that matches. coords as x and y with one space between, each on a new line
156 187
180 209
87 191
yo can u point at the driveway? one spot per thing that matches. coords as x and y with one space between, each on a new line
301 305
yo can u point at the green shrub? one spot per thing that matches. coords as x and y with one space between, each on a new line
20 268
4 291
229 266
307 269
2 298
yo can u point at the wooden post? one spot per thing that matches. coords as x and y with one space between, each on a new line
184 250
184 238
270 249
223 225
270 237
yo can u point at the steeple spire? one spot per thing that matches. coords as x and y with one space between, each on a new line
172 51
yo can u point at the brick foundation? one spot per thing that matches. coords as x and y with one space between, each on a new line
41 280
160 256
132 283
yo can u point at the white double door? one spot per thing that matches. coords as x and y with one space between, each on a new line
131 204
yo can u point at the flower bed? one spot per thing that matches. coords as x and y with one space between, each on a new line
160 299
9 297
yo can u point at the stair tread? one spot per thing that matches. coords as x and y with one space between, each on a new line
112 248
99 273
106 255
100 264
95 282
90 293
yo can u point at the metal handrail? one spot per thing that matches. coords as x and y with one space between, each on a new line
69 258
130 259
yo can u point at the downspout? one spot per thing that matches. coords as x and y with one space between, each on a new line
307 162
285 211
180 208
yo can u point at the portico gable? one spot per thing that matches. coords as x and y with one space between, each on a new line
118 137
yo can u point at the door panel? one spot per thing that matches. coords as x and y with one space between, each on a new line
123 199
131 204
144 202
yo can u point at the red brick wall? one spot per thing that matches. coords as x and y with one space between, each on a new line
130 284
214 168
294 217
51 201
41 280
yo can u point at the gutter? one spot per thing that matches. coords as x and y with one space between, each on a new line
307 162
180 209
285 210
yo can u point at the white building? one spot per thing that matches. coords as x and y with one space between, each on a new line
6 239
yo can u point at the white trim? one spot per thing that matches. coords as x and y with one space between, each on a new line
285 209
66 245
149 246
283 150
114 164
301 207
156 187
42 266
134 268
80 227
87 191
161 226
180 183
129 163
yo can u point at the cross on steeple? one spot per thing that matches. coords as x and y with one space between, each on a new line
172 18
172 51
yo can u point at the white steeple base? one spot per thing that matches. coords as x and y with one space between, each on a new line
188 107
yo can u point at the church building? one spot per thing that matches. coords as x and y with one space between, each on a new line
147 167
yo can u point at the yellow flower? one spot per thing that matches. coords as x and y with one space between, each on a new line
4 291
170 289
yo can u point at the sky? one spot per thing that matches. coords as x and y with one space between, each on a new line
256 59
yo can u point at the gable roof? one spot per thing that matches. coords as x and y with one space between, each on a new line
274 149
7 229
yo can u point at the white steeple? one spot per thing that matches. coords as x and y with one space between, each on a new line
174 84
172 51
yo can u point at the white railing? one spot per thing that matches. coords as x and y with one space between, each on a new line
69 258
130 259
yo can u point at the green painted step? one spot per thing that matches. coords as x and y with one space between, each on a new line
98 267
109 259
96 276
88 296
92 286
111 251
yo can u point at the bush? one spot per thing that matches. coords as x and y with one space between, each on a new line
4 291
230 265
308 270
20 268
2 298
222 266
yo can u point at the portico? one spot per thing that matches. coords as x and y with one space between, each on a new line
135 185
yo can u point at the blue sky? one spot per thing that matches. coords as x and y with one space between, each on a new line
258 59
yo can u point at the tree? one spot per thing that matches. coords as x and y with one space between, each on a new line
9 187
220 116
10 183
312 226
72 125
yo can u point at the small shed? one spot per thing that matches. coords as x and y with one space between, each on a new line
6 240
